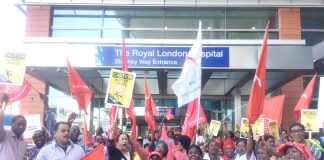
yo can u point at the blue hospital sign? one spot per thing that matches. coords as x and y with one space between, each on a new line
159 57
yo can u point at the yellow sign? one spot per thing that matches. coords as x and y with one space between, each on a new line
309 119
244 127
12 68
214 127
259 127
120 89
273 129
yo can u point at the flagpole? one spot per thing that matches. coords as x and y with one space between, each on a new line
199 91
4 104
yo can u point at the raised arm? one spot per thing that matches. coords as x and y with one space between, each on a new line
140 150
249 146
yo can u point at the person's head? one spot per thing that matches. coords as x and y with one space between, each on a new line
183 142
140 140
62 133
241 146
155 156
74 133
99 131
270 140
237 134
261 153
162 147
297 132
295 151
194 153
177 130
170 134
99 138
18 125
213 147
156 135
39 138
284 134
122 142
228 148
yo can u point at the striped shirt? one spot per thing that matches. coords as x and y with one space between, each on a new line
11 146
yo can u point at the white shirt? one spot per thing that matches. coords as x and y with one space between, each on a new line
54 152
206 157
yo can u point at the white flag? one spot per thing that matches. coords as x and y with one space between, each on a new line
188 86
320 107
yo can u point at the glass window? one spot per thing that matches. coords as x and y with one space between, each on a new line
77 22
170 102
250 35
115 34
77 33
145 34
250 19
312 18
313 38
116 22
146 22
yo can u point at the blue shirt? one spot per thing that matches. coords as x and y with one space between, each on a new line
54 152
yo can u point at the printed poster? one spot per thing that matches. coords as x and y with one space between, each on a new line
214 127
309 119
273 129
33 124
259 127
12 68
244 127
120 88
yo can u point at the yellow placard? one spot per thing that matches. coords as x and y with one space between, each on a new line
244 127
259 127
120 88
214 127
12 68
309 119
273 129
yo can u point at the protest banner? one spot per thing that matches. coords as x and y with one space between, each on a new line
120 88
273 129
259 127
12 68
244 127
309 119
214 127
33 124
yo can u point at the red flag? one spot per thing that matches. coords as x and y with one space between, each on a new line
112 117
80 90
256 99
165 138
15 92
130 110
169 115
190 121
85 138
273 108
97 153
150 108
305 98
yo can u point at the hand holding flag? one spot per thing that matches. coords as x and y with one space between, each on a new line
169 115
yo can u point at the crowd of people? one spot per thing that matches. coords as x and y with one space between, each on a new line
67 144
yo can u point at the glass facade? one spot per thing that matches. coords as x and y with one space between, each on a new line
312 23
163 23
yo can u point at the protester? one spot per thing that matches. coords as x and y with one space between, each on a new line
182 146
228 149
212 149
39 138
74 136
99 140
121 150
240 148
237 136
99 131
295 151
12 143
195 153
297 131
284 137
155 156
62 147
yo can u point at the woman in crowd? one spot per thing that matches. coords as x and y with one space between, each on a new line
121 150
297 131
295 151
240 148
194 153
284 137
182 146
228 149
212 148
